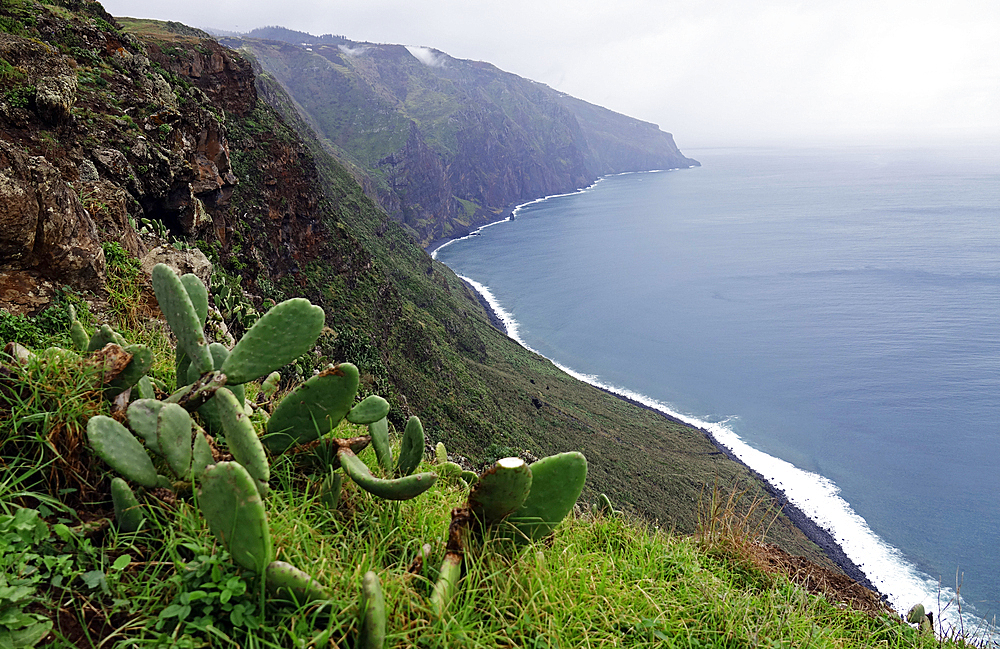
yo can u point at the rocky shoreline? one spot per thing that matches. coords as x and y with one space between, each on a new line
818 535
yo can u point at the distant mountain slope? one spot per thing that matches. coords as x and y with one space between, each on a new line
445 144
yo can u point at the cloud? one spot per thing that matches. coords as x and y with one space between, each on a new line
347 50
427 56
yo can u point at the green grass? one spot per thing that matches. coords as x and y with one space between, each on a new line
599 582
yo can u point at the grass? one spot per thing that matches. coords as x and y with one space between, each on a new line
601 581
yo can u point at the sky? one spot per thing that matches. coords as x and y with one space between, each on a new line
713 73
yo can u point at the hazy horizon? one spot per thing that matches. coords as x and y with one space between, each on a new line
713 74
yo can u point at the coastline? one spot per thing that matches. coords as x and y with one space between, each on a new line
818 535
815 533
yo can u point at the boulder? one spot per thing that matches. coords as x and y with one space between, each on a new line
181 262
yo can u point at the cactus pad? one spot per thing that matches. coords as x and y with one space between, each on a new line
144 388
398 489
411 451
556 483
285 581
370 410
143 415
173 437
128 511
198 295
121 450
142 360
231 504
379 432
210 410
81 341
312 409
501 490
182 317
101 337
241 437
201 455
372 613
446 584
284 333
270 384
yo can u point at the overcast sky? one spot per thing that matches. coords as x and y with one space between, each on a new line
711 72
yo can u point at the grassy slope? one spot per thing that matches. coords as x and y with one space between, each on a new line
428 339
628 584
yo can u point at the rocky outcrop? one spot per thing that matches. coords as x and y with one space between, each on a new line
43 224
100 132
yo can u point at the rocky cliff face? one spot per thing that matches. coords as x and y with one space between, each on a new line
99 133
448 144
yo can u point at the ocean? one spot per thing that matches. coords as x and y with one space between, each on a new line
831 315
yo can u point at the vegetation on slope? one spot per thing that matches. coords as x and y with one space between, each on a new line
445 144
73 578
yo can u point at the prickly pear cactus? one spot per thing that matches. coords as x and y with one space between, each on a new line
198 295
210 410
173 438
284 333
114 444
79 336
556 484
372 613
500 491
370 410
201 455
399 489
411 451
313 409
285 581
270 385
182 317
231 504
242 438
128 511
142 360
379 432
143 417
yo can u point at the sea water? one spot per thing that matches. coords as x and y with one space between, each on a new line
832 315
